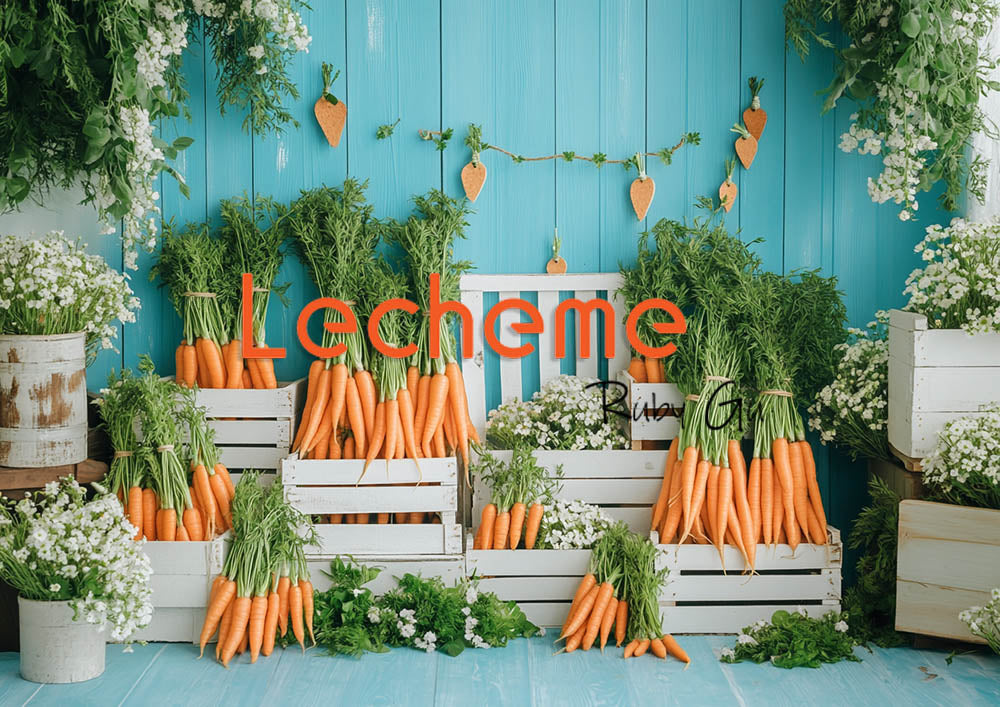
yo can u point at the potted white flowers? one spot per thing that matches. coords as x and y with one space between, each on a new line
949 544
77 572
57 307
944 350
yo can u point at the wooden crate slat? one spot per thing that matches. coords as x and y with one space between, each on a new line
173 625
530 563
611 491
760 588
661 400
545 613
367 499
346 472
912 341
731 618
549 366
187 558
181 590
253 432
251 457
781 557
637 518
538 589
510 368
279 402
390 539
932 609
587 367
449 568
599 464
473 367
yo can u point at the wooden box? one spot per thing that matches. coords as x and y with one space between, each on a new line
182 578
948 560
622 482
936 375
542 582
654 410
699 597
15 482
327 486
262 425
906 484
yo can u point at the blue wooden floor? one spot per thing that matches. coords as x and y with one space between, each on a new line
524 673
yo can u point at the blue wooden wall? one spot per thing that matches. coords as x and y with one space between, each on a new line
543 76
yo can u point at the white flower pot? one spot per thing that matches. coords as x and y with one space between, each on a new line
54 647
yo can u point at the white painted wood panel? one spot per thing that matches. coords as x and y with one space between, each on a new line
372 499
653 408
759 588
252 457
173 625
780 557
449 568
327 472
730 618
473 369
510 368
548 364
534 282
541 588
623 350
390 539
587 367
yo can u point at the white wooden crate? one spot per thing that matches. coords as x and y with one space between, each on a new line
654 410
542 582
624 483
936 375
450 568
182 578
328 486
262 435
948 560
699 598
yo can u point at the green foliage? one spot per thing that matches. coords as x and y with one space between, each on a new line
871 603
928 48
421 613
385 131
522 479
793 640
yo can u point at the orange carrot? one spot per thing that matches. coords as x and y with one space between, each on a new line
621 621
307 606
247 381
661 501
583 611
356 418
766 500
224 624
596 615
741 500
449 427
459 409
149 504
283 585
266 368
135 508
574 641
674 648
440 451
698 485
221 499
237 628
295 613
179 364
366 391
535 514
815 499
778 520
689 466
315 368
181 534
608 620
412 378
192 524
420 417
166 524
630 648
216 607
486 525
234 364
659 650
318 409
392 429
586 584
800 490
637 369
517 513
256 379
753 497
221 470
653 371
258 614
712 502
338 397
725 498
378 436
783 469
406 420
641 648
203 486
437 396
215 367
270 623
201 368
500 530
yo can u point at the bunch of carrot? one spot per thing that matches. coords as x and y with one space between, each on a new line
264 588
620 591
520 490
161 499
646 369
411 518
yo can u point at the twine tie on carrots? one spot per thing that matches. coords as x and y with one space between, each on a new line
720 379
782 393
260 289
475 159
200 294
692 397
165 448
121 454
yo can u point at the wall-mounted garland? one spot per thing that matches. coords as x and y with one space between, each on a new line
917 68
84 82
474 172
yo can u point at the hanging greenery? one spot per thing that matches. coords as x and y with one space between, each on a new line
917 68
83 82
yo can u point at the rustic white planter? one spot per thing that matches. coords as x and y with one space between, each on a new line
54 647
948 560
653 408
43 400
935 376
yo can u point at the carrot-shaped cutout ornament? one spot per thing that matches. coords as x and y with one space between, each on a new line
556 265
642 190
755 117
474 173
746 145
331 113
728 190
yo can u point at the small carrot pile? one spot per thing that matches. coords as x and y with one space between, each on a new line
411 518
520 490
646 370
160 498
264 589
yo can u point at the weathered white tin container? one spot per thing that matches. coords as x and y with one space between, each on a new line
43 400
54 647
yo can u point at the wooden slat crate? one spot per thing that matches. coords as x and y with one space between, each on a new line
327 486
15 482
700 598
542 582
262 436
622 482
935 376
182 577
654 410
450 568
948 560
906 484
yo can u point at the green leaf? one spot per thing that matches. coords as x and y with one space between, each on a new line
453 647
910 24
17 56
182 143
93 153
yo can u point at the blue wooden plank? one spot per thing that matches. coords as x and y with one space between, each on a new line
498 71
415 679
668 110
122 673
579 678
315 678
14 690
395 68
485 677
299 159
762 54
702 683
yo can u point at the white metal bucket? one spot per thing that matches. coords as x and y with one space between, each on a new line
54 647
43 400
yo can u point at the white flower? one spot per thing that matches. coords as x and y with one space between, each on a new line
746 639
471 595
728 653
840 626
55 587
374 615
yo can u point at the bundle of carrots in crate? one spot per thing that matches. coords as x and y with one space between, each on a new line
169 489
520 490
620 591
413 517
361 404
204 276
751 335
264 588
